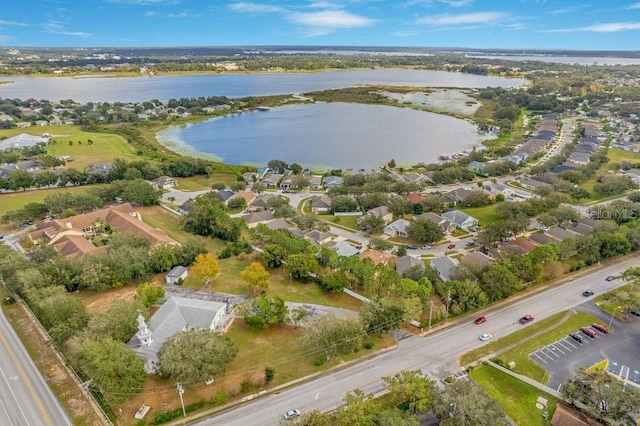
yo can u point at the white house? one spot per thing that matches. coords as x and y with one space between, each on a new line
176 274
459 219
176 315
443 266
397 228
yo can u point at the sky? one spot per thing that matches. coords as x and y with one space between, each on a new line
506 24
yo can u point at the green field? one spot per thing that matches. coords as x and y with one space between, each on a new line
485 214
517 398
16 200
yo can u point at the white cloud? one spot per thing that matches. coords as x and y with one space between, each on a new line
571 9
151 13
55 28
324 5
464 18
247 7
611 27
19 24
430 3
633 6
328 20
5 38
144 2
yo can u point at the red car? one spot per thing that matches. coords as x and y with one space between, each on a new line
601 328
525 319
451 246
589 332
481 320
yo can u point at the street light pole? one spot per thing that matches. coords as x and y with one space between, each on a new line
446 317
430 312
612 314
180 392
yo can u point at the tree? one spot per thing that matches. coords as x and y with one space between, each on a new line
46 179
114 369
256 276
273 255
343 203
197 355
332 334
467 404
499 281
358 409
119 322
603 396
20 179
300 181
412 387
297 315
477 198
300 266
373 224
381 315
278 166
424 231
148 293
206 267
264 312
269 374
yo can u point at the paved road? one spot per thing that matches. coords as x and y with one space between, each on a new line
25 398
435 354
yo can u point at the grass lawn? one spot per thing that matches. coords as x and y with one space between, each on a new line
485 214
517 398
16 200
105 147
617 156
196 183
607 301
348 222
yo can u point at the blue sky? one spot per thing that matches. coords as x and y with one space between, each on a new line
545 24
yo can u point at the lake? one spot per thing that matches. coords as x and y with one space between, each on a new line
163 88
326 135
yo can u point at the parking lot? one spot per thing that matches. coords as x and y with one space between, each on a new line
562 357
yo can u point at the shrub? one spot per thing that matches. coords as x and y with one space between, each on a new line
369 345
220 397
319 361
167 416
246 385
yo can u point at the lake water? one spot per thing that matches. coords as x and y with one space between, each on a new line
163 88
326 135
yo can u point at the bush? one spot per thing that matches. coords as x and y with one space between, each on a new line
368 345
246 385
167 416
220 397
319 361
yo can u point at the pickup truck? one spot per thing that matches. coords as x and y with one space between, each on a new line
525 319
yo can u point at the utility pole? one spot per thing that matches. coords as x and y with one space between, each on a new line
180 392
430 312
446 317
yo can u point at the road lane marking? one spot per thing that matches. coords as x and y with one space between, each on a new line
14 395
26 380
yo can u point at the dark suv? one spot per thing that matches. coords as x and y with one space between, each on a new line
576 337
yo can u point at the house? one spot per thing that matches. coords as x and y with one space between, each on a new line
444 224
382 212
525 244
376 256
321 204
71 236
444 265
100 169
279 223
345 249
560 234
475 260
177 314
250 178
459 219
255 218
272 180
414 177
415 198
5 117
566 416
247 196
261 202
542 239
498 188
176 274
579 158
404 263
332 181
23 140
225 195
287 183
532 185
399 228
317 237
164 182
315 182
456 196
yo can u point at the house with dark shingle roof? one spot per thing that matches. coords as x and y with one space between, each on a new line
444 265
404 263
321 204
255 218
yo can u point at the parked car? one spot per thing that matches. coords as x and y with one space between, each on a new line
589 332
473 229
610 278
576 337
1 237
634 312
470 243
486 336
412 247
291 414
481 320
601 328
526 319
451 246
426 247
587 293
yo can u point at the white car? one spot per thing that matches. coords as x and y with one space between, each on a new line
291 414
486 336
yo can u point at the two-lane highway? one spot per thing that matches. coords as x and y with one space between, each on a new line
436 354
25 398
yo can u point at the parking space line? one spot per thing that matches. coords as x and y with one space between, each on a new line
538 356
545 352
562 342
557 348
551 350
571 343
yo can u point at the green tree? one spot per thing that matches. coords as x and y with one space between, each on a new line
332 334
46 178
263 312
381 315
358 409
499 281
424 231
371 223
197 355
297 315
149 293
412 387
20 179
119 322
300 266
273 255
115 370
465 403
